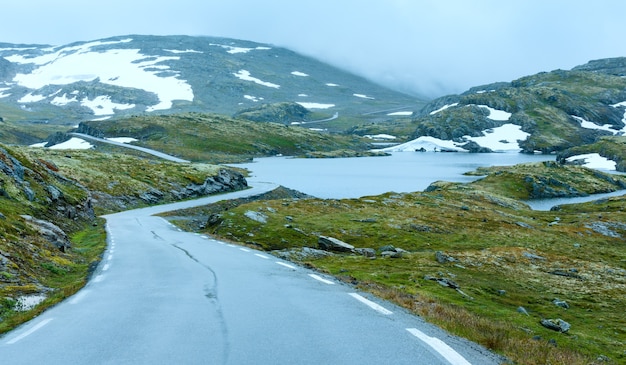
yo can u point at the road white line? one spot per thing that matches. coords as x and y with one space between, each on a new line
230 245
30 331
110 257
105 267
261 256
319 278
441 347
244 249
286 265
98 278
79 296
371 304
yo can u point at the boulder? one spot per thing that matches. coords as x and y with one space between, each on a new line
50 232
558 325
367 252
256 216
333 244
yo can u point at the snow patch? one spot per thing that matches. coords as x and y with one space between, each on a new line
185 51
252 98
427 143
31 98
363 96
316 105
443 108
245 75
495 114
380 136
28 302
501 139
63 100
102 105
73 143
594 161
332 85
400 114
298 73
118 67
590 125
235 50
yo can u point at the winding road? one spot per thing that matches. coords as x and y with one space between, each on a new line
164 296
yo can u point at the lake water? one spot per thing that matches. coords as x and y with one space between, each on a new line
356 177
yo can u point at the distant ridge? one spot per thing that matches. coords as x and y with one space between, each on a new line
137 74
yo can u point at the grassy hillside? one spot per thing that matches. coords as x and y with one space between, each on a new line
219 139
542 104
472 258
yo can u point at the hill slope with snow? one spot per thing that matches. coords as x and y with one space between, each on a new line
130 75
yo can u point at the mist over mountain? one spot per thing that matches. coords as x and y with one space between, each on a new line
136 74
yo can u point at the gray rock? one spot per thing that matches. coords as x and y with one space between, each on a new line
558 325
560 303
367 252
522 310
256 216
387 248
50 232
532 256
333 244
442 258
391 254
152 196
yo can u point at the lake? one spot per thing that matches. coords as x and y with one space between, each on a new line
362 176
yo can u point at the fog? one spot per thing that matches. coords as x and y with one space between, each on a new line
425 48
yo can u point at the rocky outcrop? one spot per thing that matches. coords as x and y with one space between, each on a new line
225 180
56 138
87 129
285 113
558 325
612 66
51 232
333 244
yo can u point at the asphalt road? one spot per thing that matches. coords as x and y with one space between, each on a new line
163 296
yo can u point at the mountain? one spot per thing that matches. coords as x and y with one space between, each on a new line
550 112
138 74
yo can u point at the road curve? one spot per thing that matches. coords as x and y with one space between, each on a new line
163 296
162 155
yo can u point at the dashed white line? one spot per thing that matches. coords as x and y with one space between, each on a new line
30 331
261 256
110 257
78 296
230 245
319 278
98 278
286 265
441 347
244 249
371 304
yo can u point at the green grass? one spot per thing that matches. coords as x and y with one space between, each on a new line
219 139
66 273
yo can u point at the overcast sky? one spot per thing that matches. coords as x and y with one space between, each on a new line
427 47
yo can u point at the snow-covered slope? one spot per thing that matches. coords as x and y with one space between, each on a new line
145 74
